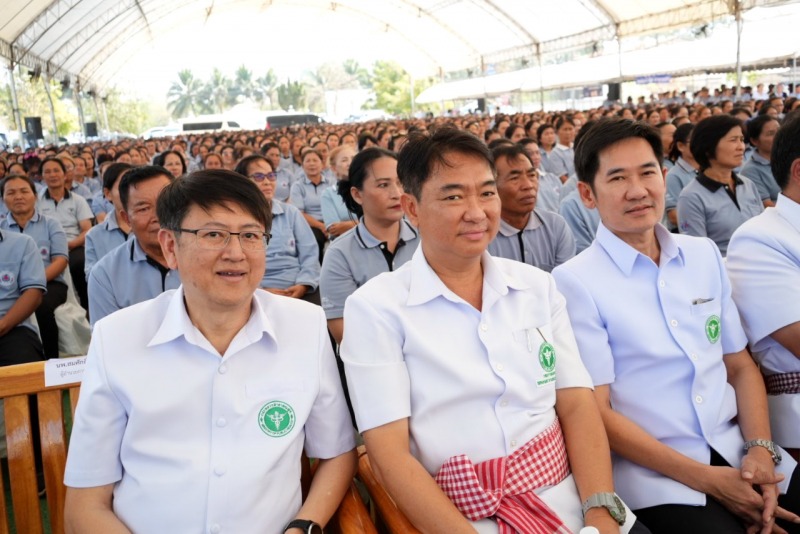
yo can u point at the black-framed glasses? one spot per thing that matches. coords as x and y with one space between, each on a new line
260 176
213 239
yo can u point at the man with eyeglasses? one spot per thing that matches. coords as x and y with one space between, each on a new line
196 405
136 270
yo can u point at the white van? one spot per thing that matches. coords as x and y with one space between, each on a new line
208 124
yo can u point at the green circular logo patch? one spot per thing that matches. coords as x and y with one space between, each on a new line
276 419
547 357
713 328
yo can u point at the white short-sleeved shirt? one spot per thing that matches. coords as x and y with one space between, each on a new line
195 442
471 382
656 334
764 266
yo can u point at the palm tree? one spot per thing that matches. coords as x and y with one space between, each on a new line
217 91
356 73
243 84
292 95
185 96
265 89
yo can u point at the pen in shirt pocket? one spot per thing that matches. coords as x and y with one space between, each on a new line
695 302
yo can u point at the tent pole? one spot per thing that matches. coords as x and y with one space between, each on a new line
46 83
739 26
77 93
15 105
541 79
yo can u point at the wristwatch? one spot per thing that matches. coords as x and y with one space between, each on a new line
767 444
306 525
609 501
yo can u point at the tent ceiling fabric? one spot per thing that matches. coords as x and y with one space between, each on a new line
93 39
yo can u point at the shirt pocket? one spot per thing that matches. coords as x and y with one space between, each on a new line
267 391
704 309
541 355
9 280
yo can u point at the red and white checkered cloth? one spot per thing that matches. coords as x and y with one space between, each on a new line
503 487
783 384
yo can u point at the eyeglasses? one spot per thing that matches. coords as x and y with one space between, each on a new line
218 239
259 176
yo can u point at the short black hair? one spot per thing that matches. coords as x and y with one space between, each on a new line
511 129
707 135
112 174
245 162
426 151
208 189
785 150
363 138
682 135
161 159
138 175
48 160
359 167
756 126
511 152
604 133
10 177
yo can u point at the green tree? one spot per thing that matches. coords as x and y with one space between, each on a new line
129 115
392 87
266 89
358 76
186 95
217 91
33 102
292 95
244 86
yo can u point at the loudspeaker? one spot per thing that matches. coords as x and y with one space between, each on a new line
91 129
614 91
33 127
482 105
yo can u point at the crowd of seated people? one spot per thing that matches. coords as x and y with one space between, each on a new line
340 219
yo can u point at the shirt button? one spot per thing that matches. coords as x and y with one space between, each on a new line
661 283
673 322
215 529
499 366
223 369
221 421
513 443
484 327
693 356
698 399
504 403
220 470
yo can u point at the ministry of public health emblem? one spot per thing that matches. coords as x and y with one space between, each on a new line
276 419
7 279
713 329
547 357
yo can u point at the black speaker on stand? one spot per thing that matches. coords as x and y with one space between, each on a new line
614 91
91 129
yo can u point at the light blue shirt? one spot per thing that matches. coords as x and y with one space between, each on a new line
102 239
100 204
549 196
551 163
660 351
292 167
69 211
333 208
21 269
307 197
705 209
566 156
545 242
48 235
283 184
292 254
82 190
357 257
126 276
677 178
759 171
580 219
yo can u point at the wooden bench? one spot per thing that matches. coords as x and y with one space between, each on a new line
389 516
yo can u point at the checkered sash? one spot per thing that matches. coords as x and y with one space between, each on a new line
783 384
503 487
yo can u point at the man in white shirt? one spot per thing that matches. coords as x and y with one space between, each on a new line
682 401
196 405
459 357
764 266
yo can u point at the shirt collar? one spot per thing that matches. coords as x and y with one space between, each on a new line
624 255
789 210
713 185
47 193
683 164
509 231
12 223
367 240
176 323
111 220
137 252
563 147
277 207
426 285
758 158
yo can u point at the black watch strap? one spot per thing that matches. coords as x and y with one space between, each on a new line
306 525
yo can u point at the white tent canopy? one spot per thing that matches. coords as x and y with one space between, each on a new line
95 42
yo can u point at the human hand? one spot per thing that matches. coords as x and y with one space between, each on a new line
297 291
601 519
337 229
736 494
276 291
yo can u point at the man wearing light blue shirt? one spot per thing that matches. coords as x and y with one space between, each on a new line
660 335
136 270
764 266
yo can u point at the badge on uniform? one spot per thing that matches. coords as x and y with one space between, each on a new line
713 328
547 360
7 279
276 419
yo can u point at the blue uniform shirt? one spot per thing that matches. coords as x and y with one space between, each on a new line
126 276
333 208
581 220
549 195
677 178
759 171
21 269
283 184
102 239
292 254
357 257
48 235
307 196
660 351
545 242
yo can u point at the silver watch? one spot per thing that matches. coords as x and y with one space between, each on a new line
609 501
767 444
